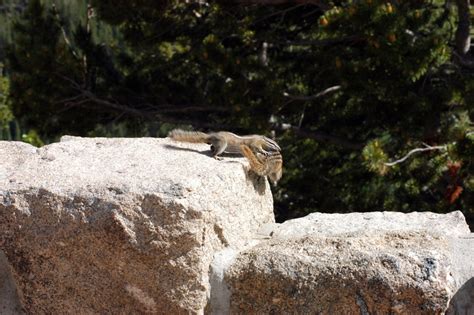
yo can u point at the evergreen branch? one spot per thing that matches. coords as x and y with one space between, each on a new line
308 98
144 111
87 96
319 3
324 42
63 32
8 8
426 148
464 60
320 136
312 97
282 12
183 109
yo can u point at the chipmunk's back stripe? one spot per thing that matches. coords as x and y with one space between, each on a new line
272 144
274 159
274 156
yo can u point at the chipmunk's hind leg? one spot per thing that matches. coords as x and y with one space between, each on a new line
218 147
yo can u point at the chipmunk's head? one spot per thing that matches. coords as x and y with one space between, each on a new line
274 177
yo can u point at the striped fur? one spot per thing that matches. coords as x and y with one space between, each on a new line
270 165
224 141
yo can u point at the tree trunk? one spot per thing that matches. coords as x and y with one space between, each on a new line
463 39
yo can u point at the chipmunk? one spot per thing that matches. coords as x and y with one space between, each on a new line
224 141
270 164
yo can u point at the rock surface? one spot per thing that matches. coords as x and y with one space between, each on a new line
150 226
450 224
122 225
9 299
356 263
462 253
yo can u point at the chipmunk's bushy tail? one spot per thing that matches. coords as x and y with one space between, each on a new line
189 136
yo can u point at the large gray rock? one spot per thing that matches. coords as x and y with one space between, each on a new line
357 263
450 224
121 225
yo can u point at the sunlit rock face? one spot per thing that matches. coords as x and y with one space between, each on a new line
121 225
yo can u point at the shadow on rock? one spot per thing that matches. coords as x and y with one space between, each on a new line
462 302
172 147
9 298
258 182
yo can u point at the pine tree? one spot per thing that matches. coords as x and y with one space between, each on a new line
371 109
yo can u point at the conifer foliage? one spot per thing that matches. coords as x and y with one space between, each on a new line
368 98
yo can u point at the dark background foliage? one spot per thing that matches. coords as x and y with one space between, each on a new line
346 87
